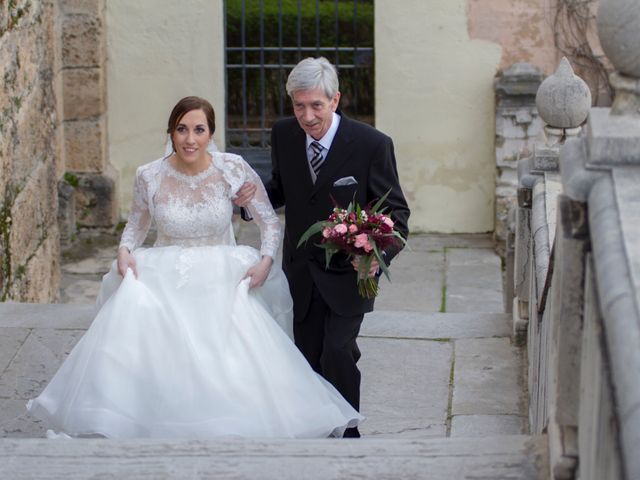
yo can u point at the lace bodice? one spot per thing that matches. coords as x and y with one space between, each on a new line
196 210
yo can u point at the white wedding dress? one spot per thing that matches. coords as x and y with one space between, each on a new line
187 349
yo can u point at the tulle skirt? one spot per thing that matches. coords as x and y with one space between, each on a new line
187 350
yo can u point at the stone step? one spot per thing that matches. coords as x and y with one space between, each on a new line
402 324
423 375
46 315
503 457
440 374
380 323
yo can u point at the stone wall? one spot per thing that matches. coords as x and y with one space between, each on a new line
83 56
30 150
52 139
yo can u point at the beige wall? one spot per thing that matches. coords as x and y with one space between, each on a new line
158 52
435 65
434 97
522 27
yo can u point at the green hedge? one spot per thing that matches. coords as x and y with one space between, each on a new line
327 16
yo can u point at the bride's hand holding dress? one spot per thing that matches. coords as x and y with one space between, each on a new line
259 272
126 261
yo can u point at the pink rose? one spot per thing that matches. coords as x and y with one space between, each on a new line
326 232
387 221
361 241
353 228
367 246
341 228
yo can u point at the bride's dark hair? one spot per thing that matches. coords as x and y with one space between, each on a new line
185 106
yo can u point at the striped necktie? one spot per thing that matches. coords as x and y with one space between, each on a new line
317 160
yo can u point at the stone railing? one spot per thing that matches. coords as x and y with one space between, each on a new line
576 273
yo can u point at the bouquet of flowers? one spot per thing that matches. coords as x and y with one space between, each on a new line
359 232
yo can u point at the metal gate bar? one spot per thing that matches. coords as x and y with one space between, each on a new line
251 130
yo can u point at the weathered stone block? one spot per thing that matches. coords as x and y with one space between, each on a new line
523 257
82 41
96 199
85 145
408 414
503 206
33 214
486 425
464 292
83 93
567 313
485 370
38 280
546 159
11 339
613 139
521 122
66 213
36 362
519 81
507 182
510 150
85 7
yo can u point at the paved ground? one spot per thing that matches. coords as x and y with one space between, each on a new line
437 360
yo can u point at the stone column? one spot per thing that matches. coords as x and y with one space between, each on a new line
517 126
94 200
562 100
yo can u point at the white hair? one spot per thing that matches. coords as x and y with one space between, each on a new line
313 73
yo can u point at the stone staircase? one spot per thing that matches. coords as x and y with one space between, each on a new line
443 390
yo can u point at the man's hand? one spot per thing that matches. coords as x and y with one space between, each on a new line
245 194
373 269
259 272
125 261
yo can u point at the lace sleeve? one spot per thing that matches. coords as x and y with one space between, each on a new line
263 214
139 217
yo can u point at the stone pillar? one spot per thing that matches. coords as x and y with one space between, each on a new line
94 202
550 253
562 100
517 126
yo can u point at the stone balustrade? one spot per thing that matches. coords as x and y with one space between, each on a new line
576 266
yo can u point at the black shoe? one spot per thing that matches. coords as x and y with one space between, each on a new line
351 433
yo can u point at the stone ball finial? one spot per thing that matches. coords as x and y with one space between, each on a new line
619 31
563 99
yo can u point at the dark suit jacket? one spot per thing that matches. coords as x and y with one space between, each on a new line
358 150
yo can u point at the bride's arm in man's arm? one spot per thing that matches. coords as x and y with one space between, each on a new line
268 222
273 187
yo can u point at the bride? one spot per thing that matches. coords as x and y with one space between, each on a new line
189 340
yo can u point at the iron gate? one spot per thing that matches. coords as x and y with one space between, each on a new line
265 39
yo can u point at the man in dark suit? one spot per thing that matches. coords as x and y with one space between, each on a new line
319 156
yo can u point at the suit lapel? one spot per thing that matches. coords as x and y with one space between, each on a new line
299 163
338 153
